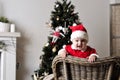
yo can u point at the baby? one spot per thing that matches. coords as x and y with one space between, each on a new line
79 47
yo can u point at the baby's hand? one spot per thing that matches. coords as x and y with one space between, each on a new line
91 58
62 53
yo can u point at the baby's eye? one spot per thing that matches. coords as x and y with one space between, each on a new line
83 40
76 40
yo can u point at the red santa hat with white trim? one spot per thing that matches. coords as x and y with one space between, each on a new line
79 31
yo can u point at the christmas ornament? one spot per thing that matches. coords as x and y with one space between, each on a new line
54 49
56 35
65 29
57 18
47 44
60 27
56 5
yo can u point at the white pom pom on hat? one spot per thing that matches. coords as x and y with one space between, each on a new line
79 31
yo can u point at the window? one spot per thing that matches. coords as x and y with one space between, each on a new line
115 30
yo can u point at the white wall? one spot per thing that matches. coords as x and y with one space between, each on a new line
114 1
95 16
30 17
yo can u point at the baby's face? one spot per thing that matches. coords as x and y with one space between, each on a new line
79 43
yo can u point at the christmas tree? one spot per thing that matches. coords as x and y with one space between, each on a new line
62 17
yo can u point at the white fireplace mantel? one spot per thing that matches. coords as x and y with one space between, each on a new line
9 34
8 55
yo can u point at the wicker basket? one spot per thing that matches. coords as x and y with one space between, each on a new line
73 68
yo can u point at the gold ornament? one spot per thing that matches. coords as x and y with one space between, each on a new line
54 49
57 18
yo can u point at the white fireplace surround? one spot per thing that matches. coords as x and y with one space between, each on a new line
8 55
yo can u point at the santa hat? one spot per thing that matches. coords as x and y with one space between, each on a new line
79 31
